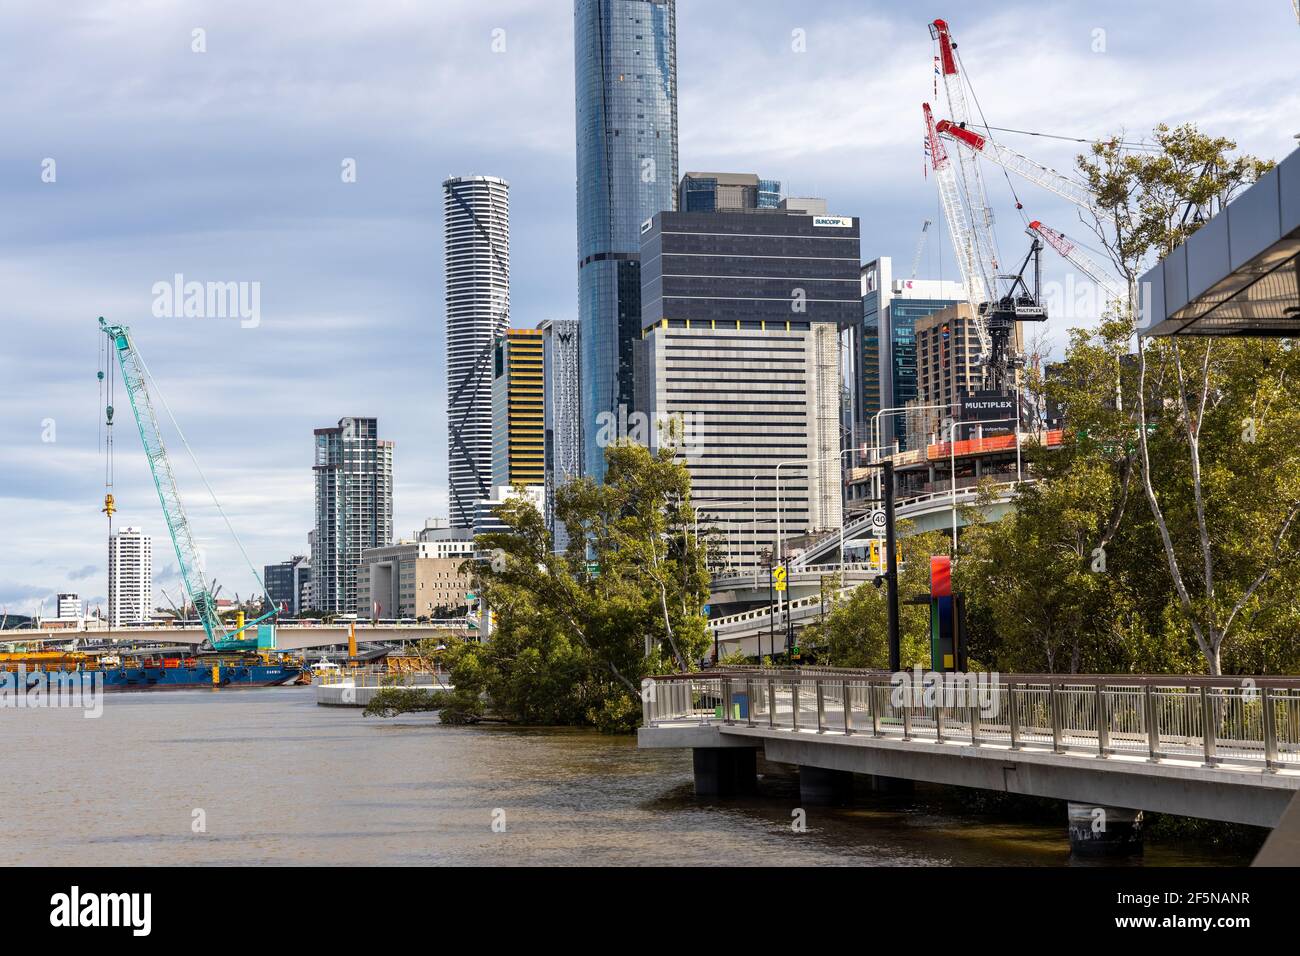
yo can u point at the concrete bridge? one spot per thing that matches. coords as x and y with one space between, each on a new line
288 637
751 587
750 628
763 630
1216 748
928 512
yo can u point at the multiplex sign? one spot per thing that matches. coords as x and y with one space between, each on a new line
982 406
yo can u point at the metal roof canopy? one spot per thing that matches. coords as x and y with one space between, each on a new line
1239 274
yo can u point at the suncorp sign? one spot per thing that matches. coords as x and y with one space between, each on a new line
837 222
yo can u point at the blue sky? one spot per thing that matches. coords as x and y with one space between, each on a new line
225 166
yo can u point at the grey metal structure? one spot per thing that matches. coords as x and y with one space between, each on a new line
1239 274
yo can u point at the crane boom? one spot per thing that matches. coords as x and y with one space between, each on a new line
178 525
920 247
978 283
1023 166
1080 260
972 179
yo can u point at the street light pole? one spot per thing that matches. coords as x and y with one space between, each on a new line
771 612
891 569
810 461
952 466
875 422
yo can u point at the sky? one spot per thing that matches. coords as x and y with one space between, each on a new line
226 165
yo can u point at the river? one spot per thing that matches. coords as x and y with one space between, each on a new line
257 777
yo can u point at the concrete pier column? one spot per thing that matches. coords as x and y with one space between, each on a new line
725 771
875 783
1104 831
820 786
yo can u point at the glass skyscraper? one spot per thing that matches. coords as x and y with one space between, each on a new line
625 67
887 340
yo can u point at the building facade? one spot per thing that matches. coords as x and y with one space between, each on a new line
354 508
445 541
742 312
715 192
286 583
518 409
563 416
625 69
407 580
476 215
130 577
67 607
948 371
881 350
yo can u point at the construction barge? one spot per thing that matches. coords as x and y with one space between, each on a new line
161 668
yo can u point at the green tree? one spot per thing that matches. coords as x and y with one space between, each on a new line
1212 417
576 633
855 632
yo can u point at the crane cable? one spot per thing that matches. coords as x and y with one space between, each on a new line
180 434
1020 207
1071 139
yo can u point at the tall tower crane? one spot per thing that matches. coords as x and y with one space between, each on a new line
978 282
134 373
971 177
996 312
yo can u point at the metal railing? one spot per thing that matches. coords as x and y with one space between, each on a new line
1243 720
384 678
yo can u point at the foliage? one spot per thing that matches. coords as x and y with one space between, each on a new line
391 701
574 634
855 632
1162 535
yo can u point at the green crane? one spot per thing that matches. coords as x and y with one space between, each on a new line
134 375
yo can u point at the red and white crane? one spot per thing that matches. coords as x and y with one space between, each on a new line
978 283
972 180
1080 260
976 145
971 222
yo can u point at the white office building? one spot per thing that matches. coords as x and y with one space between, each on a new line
67 607
477 259
130 577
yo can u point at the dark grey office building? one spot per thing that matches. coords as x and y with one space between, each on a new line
285 582
741 314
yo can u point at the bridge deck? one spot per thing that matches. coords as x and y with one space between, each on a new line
1223 750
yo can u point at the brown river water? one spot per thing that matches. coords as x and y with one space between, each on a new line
268 777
